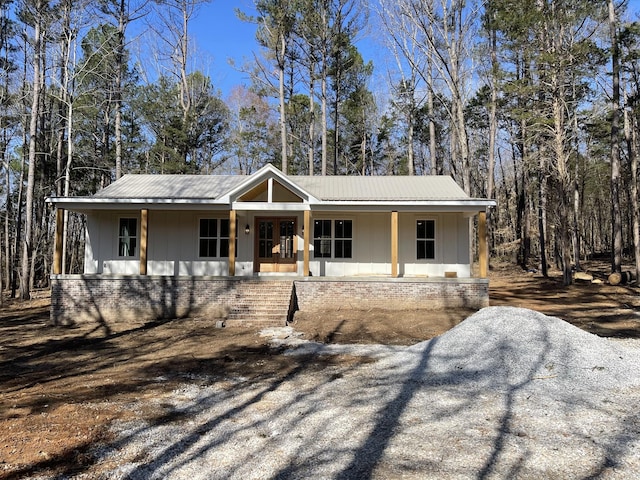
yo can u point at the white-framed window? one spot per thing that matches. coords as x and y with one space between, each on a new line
213 238
425 239
343 233
127 237
322 238
332 238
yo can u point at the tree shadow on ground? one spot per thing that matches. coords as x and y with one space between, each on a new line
251 417
44 367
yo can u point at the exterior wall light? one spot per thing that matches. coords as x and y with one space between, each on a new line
247 230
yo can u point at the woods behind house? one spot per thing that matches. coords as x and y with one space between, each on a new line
534 103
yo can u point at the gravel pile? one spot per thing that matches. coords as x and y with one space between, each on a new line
508 393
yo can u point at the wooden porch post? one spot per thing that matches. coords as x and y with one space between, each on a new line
483 249
144 227
232 243
57 252
306 227
394 244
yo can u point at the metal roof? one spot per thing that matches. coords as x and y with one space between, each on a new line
219 191
327 188
381 188
170 186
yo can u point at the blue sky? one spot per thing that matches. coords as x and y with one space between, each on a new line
219 36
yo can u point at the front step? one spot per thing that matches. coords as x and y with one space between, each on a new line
262 303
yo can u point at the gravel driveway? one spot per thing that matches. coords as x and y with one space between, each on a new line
508 393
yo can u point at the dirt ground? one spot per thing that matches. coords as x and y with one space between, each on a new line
63 386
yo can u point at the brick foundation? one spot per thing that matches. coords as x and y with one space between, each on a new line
107 299
133 299
392 294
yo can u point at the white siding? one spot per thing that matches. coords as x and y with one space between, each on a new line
173 245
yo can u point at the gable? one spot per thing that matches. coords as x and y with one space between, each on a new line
269 185
270 190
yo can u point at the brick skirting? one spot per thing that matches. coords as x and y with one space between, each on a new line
392 293
136 298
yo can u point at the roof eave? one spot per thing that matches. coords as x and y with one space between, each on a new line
93 203
460 205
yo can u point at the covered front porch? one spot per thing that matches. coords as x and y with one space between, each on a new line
289 243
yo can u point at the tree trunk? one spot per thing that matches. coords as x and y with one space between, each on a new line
7 239
493 132
616 216
363 145
324 74
632 146
433 159
120 67
336 119
311 119
67 188
410 160
542 216
283 114
576 218
25 293
324 123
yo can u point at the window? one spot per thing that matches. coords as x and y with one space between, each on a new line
343 242
208 237
214 237
340 238
322 238
127 237
224 237
426 239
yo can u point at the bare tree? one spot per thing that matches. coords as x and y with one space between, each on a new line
410 64
276 19
616 216
442 31
631 137
38 13
173 30
122 13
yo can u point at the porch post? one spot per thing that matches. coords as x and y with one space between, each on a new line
483 249
306 227
232 243
57 252
144 232
394 244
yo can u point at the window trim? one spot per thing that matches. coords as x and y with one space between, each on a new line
136 237
434 239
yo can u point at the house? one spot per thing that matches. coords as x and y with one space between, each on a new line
176 245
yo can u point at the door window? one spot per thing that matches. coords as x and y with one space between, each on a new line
265 238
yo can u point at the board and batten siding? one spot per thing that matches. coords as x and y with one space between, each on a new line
173 245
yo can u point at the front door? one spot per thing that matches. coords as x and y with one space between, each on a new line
276 245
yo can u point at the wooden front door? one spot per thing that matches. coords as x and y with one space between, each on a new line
276 248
